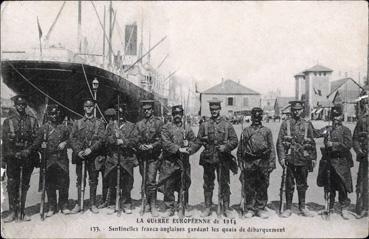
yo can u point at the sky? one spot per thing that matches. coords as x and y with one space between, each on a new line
260 44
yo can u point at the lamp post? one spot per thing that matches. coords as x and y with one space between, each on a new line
95 85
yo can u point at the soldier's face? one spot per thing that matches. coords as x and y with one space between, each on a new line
256 117
147 112
177 117
88 108
337 119
20 107
215 112
53 117
296 113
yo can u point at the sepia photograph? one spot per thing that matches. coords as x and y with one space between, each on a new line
184 119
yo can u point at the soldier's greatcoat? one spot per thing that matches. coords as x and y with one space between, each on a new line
340 156
87 133
129 134
256 148
55 136
172 139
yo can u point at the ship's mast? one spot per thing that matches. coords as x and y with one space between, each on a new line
141 43
104 40
79 26
110 31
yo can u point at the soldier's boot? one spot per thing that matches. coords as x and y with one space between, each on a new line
93 207
304 212
107 200
77 207
25 218
344 209
63 201
169 212
126 202
154 210
262 214
207 210
51 196
287 212
11 216
227 210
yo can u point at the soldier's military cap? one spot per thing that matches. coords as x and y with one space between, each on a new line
177 109
53 109
336 111
256 110
214 104
19 99
89 101
147 104
296 105
110 112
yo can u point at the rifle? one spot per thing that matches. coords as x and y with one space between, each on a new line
282 191
240 162
362 187
42 180
117 198
327 189
20 212
143 185
220 207
181 162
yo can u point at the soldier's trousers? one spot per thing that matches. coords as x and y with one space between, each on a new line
92 179
57 179
296 175
362 184
338 185
13 174
151 171
209 176
126 185
256 188
172 184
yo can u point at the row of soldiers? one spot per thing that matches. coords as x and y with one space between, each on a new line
118 146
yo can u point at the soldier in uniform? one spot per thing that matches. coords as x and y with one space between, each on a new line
56 135
110 116
361 145
296 150
149 149
337 145
177 138
219 138
19 132
123 137
256 156
86 139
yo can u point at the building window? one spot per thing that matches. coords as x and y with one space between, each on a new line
323 73
246 101
230 101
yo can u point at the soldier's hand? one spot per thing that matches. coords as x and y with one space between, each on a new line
313 163
119 141
87 151
282 162
142 147
25 153
62 145
149 146
222 148
328 144
81 154
287 138
183 150
18 155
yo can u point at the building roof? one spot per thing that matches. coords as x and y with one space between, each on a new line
335 85
230 87
318 68
300 74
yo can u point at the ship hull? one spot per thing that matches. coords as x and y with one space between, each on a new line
66 83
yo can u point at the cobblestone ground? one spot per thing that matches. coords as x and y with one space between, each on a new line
295 226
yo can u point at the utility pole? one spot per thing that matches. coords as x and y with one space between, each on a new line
79 26
104 39
110 30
